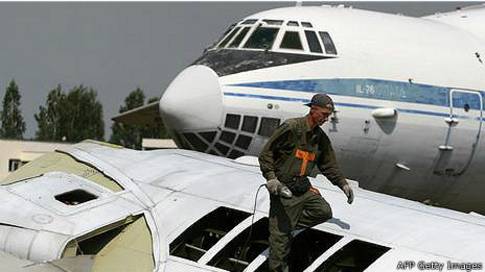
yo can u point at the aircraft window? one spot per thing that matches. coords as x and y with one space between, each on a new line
262 38
356 256
208 136
229 37
313 42
235 154
291 40
268 125
273 22
306 24
239 37
206 232
222 148
227 137
234 257
306 248
249 22
232 121
243 141
292 23
328 43
75 197
195 141
223 35
249 124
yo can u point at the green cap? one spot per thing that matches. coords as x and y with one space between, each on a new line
321 100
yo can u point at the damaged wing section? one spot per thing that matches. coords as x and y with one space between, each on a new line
61 162
122 246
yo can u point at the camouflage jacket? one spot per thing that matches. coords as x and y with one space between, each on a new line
295 149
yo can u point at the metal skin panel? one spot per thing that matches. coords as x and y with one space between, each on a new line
47 246
26 217
18 242
192 191
375 217
44 197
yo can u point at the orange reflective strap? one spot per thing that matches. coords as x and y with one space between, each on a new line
305 156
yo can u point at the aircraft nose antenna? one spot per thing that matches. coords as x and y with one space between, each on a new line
193 100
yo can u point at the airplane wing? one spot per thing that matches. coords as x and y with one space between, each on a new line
97 207
12 263
145 115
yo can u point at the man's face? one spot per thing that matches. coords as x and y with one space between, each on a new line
320 115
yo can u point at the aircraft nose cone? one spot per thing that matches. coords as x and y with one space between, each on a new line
193 100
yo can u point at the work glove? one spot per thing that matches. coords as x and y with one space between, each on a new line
349 193
272 186
275 187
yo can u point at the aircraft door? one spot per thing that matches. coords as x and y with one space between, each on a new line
463 134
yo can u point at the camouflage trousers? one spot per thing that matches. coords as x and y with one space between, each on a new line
286 215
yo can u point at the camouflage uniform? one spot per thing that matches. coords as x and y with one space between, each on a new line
290 155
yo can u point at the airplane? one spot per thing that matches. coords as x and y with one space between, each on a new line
408 94
94 206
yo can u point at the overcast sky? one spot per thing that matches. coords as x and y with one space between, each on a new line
115 47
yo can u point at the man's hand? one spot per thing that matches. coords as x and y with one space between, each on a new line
349 193
273 186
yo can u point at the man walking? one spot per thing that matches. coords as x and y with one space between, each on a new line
286 160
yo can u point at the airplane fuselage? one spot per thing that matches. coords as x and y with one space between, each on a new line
408 95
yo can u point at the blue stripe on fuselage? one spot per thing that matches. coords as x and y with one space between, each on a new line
351 105
367 88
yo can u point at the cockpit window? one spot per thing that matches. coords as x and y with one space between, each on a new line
273 22
306 24
229 37
262 38
249 22
291 40
239 37
313 42
292 23
328 43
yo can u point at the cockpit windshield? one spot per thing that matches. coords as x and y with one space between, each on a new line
291 37
262 38
239 37
229 37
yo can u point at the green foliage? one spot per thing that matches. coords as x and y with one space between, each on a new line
71 117
13 125
131 136
128 135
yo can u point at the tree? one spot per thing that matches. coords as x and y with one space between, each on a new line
49 117
13 125
159 130
73 117
129 136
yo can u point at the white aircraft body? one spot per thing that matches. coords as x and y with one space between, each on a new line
408 93
96 207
